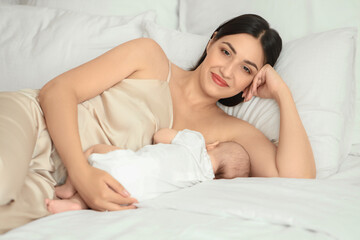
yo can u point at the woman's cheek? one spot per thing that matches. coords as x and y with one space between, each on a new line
242 81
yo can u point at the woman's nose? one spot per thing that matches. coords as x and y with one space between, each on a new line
226 70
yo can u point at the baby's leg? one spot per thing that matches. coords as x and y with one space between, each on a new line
57 206
66 190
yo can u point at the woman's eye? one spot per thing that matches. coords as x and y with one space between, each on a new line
246 69
225 52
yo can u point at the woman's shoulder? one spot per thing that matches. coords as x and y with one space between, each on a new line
246 134
229 119
237 128
155 62
148 45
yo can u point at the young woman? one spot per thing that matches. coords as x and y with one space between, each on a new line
236 65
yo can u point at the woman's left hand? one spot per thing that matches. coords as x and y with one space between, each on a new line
267 83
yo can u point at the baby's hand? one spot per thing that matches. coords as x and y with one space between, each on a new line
164 135
100 148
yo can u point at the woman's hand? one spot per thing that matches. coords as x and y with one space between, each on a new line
101 191
267 83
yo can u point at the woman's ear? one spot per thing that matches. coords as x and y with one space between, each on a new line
212 39
213 35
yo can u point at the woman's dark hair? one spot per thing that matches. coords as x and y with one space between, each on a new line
257 27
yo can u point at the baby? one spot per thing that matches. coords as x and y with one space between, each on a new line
178 159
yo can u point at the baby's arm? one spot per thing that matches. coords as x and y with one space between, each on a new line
164 135
99 148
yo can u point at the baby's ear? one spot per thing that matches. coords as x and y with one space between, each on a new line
211 146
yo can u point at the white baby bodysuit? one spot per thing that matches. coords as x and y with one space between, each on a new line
160 168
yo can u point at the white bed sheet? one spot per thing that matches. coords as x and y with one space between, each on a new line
250 208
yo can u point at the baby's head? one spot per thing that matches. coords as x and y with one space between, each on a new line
229 160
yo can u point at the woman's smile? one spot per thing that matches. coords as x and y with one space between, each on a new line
218 80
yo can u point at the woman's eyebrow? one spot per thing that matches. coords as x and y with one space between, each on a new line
230 46
245 61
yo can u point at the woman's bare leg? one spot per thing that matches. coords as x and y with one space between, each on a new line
17 142
25 163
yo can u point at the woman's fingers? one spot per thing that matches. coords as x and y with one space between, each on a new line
110 200
266 83
117 187
115 202
254 88
250 90
119 207
258 84
109 206
245 93
119 194
116 198
258 81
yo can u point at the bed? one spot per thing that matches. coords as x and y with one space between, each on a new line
320 63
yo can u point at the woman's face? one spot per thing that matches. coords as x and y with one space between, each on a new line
231 64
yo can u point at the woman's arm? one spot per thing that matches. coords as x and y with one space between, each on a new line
293 156
59 99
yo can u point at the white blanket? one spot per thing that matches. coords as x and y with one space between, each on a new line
324 206
250 208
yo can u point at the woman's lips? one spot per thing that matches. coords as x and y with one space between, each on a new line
218 80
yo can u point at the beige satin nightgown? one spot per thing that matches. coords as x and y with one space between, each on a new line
127 115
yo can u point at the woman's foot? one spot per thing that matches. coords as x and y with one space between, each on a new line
57 206
65 191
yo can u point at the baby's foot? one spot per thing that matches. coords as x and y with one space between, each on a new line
65 191
57 206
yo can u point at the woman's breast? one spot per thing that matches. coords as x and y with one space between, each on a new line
127 115
211 126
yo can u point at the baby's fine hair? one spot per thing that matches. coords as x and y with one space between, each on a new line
234 161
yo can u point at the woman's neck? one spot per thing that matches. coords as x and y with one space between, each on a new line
192 92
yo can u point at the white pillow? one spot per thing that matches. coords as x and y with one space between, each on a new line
183 49
319 70
37 44
166 10
292 19
9 2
